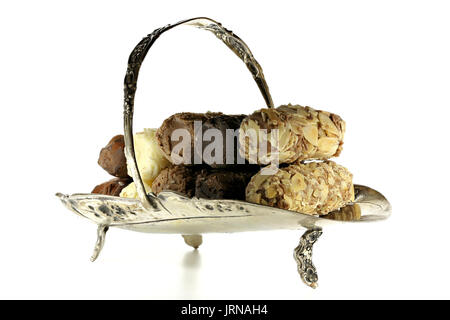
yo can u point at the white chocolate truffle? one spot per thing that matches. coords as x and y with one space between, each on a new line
150 159
130 191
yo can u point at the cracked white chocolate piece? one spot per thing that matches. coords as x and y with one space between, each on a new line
150 159
303 133
310 188
130 191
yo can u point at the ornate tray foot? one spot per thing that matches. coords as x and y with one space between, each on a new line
194 240
101 233
303 257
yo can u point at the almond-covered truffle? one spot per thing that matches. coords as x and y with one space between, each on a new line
311 188
302 133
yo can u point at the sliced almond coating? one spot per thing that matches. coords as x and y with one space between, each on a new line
271 192
289 201
298 183
272 114
300 132
311 133
328 124
352 193
302 113
311 188
253 197
328 145
251 124
283 138
259 179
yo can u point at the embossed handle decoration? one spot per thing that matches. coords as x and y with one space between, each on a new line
134 64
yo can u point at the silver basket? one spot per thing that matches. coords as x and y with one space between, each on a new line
170 212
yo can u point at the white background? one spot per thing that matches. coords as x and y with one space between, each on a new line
382 65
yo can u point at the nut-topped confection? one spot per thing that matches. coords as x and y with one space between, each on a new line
311 188
303 133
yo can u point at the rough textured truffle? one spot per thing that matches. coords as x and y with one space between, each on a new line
311 188
209 120
205 182
176 178
303 133
112 187
222 184
112 157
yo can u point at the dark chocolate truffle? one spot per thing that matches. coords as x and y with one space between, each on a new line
176 178
209 120
205 182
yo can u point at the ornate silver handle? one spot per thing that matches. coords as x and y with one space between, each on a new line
134 64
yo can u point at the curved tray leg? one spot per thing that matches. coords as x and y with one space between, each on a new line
101 234
194 240
303 257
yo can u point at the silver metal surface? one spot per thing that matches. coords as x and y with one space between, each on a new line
194 240
101 234
303 257
188 216
192 217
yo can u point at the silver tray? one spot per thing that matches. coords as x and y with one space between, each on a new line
170 212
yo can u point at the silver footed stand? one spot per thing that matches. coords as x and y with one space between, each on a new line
194 240
303 257
101 234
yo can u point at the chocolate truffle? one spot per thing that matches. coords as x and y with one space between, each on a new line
112 187
112 157
205 182
222 184
176 178
209 120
